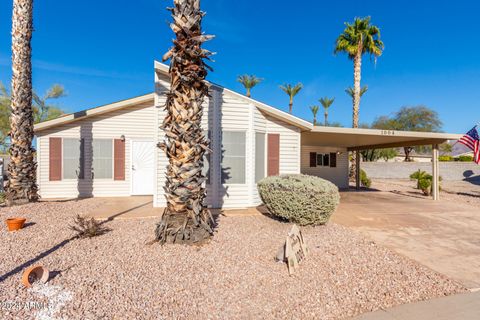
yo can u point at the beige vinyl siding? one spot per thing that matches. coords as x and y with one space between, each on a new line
225 111
133 122
289 145
338 175
236 115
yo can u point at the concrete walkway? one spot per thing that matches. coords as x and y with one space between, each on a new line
126 208
442 235
458 307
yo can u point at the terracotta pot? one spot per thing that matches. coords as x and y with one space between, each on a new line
15 223
34 274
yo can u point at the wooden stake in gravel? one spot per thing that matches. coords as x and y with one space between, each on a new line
21 186
186 218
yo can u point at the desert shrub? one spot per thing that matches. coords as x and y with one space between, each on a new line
302 199
364 180
445 158
2 197
465 158
87 227
424 181
425 185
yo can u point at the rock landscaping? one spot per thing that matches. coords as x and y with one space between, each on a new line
119 275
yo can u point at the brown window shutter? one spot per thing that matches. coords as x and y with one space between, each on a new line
55 159
119 160
273 154
313 159
333 160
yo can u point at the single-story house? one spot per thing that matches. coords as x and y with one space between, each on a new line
111 150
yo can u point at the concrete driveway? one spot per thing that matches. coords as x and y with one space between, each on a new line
442 235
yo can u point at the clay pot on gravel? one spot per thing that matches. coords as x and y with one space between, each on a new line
34 274
14 224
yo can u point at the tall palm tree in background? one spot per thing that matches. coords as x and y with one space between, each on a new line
326 103
314 110
186 218
292 92
359 38
249 81
21 186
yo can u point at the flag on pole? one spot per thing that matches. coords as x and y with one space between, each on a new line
472 140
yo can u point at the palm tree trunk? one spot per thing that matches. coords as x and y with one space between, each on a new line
290 105
326 118
315 120
186 218
248 92
21 186
357 68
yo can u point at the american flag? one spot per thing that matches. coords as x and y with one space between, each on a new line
472 140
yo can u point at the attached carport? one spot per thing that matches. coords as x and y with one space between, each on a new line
356 140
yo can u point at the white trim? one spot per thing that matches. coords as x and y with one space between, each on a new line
393 133
245 168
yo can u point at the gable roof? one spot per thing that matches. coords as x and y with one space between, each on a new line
149 98
274 112
145 99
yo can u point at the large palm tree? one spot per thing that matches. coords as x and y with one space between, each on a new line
314 110
326 103
21 186
292 92
359 38
186 218
249 81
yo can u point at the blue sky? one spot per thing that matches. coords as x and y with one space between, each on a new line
103 51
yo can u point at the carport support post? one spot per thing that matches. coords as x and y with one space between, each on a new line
435 176
357 169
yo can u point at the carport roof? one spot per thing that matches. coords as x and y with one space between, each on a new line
362 139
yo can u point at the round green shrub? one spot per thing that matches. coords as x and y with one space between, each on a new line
364 179
425 185
298 198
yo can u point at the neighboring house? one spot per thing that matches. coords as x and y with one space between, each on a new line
111 150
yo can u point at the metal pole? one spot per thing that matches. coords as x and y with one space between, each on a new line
357 170
435 182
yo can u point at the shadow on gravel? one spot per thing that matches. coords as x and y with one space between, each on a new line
34 260
42 255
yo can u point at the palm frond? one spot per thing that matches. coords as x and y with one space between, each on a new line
249 81
350 91
326 102
291 90
359 34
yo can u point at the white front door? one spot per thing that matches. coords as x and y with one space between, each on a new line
142 167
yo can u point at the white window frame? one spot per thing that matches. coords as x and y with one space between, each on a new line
221 163
92 173
63 164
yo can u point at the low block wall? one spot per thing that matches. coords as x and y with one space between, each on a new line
450 171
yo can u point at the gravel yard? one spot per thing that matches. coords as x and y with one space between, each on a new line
462 191
119 276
